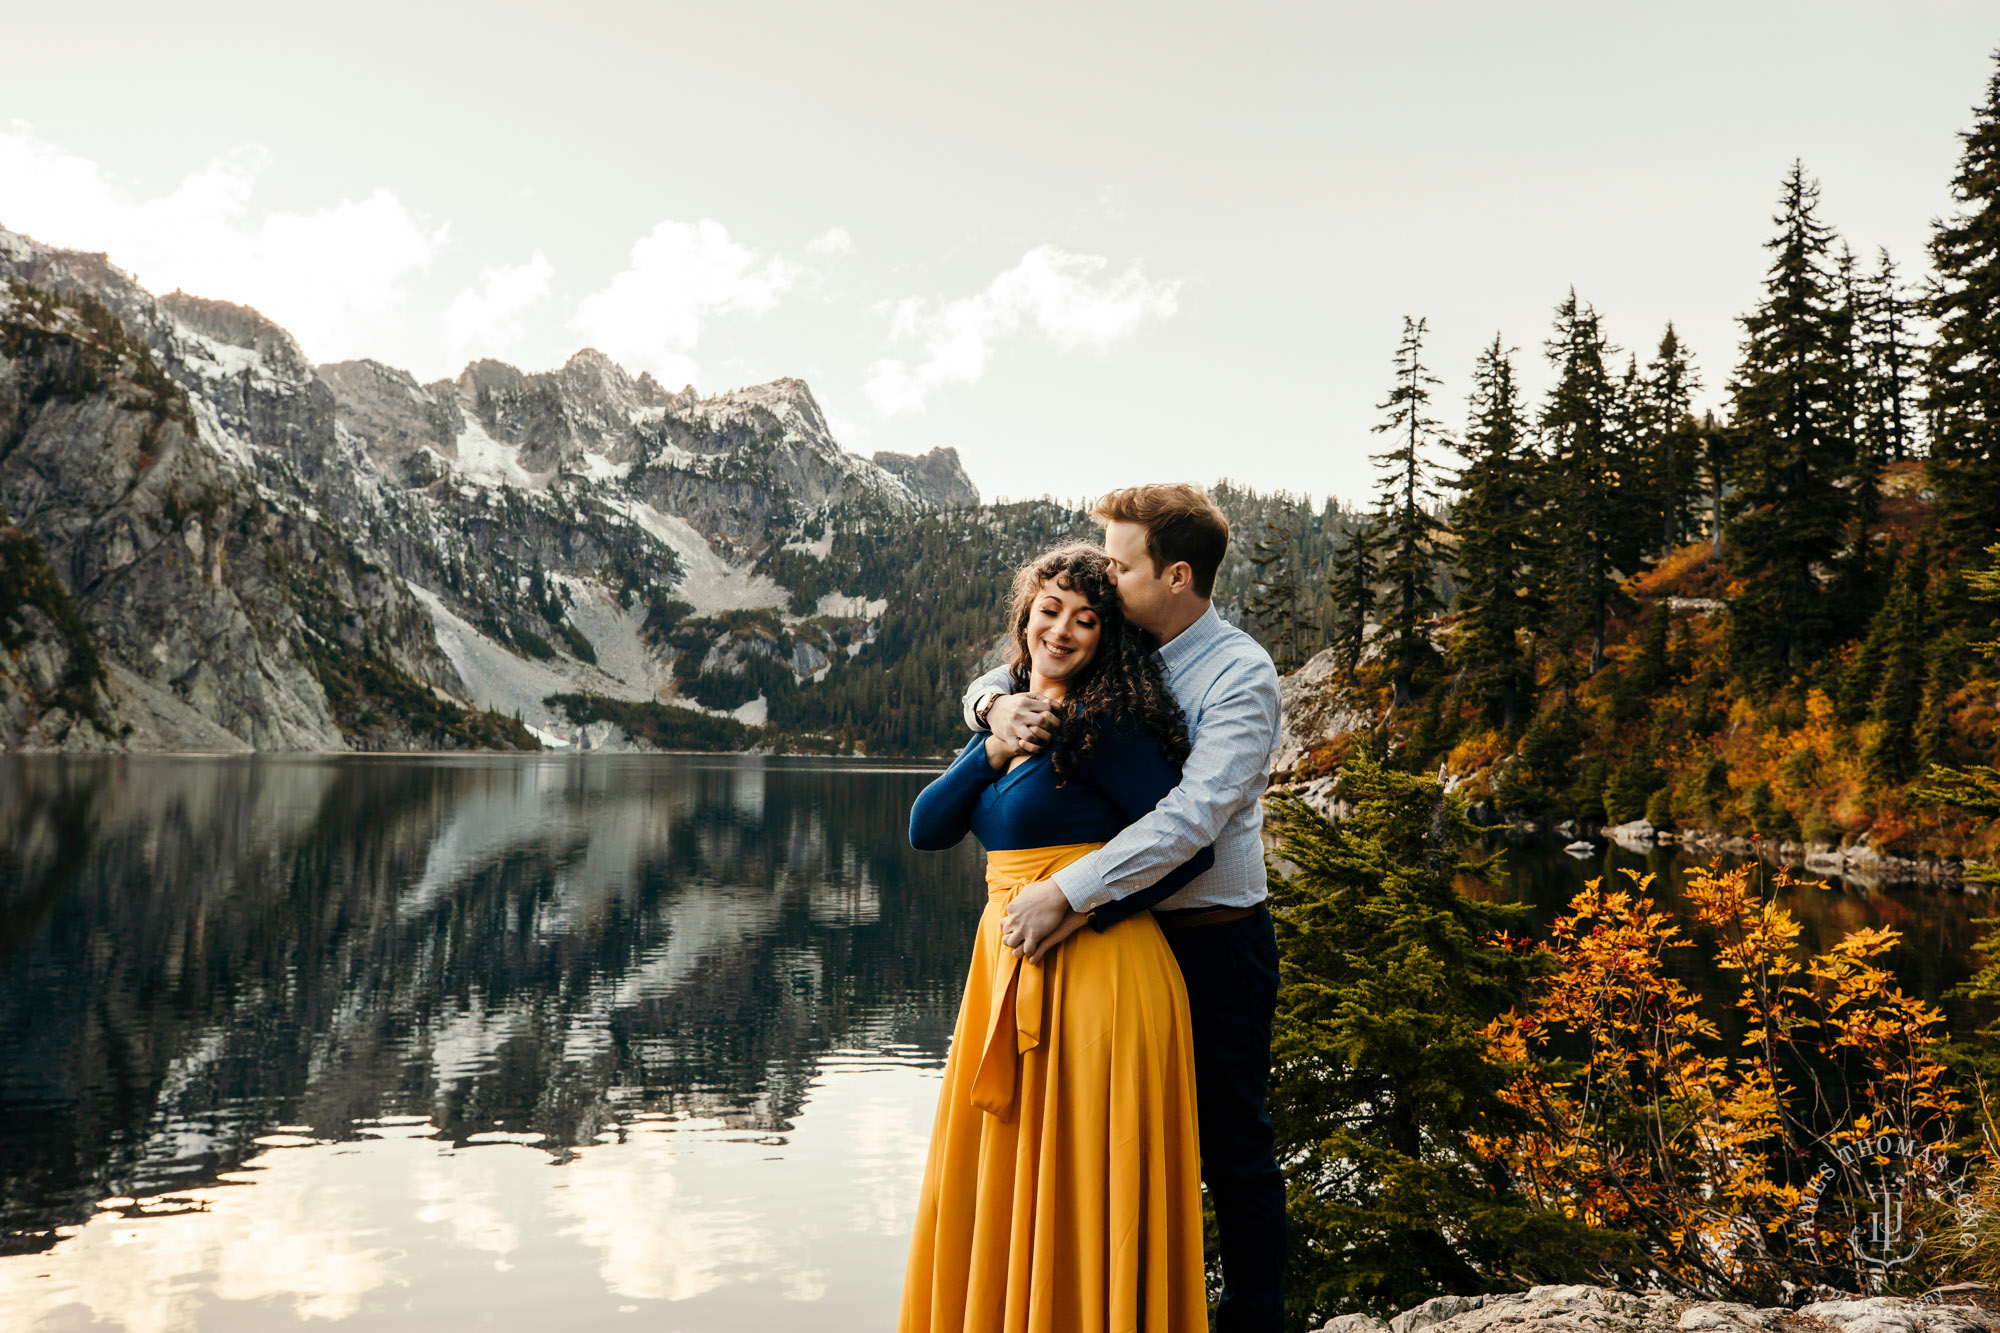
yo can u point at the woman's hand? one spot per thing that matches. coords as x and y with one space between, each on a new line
999 753
1024 722
1072 923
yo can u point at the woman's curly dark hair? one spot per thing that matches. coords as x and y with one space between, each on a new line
1122 687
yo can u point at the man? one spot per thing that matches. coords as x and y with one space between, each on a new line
1166 543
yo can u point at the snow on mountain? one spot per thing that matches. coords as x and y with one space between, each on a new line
359 543
711 583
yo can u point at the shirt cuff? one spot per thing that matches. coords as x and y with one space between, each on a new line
1084 887
972 718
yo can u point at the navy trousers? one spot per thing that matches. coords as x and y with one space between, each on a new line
1232 983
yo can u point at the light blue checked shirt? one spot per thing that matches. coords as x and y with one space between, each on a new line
1226 685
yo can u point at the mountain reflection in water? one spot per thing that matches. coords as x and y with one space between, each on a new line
512 1041
393 993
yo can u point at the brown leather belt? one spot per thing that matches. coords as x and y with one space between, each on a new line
1189 917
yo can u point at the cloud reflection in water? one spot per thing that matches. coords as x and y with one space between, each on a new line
561 1037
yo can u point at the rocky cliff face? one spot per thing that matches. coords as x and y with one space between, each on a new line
935 477
263 554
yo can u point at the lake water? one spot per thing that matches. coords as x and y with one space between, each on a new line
499 1042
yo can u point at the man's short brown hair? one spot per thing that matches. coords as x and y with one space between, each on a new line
1181 523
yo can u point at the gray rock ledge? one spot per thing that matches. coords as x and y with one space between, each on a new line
1601 1310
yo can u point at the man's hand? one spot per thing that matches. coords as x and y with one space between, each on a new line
1033 916
1022 723
1072 923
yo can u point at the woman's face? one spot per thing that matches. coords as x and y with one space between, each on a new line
1062 633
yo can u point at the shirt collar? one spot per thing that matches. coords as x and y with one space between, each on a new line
1186 645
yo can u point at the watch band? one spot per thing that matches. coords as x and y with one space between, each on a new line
984 708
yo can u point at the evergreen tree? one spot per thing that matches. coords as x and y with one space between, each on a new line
1631 784
1588 506
1716 450
1904 629
1353 578
1273 602
1389 977
1543 770
1670 438
1854 691
1946 665
1494 520
1851 391
1891 352
1652 669
1795 464
1963 394
1409 502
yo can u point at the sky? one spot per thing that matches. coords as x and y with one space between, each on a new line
1085 245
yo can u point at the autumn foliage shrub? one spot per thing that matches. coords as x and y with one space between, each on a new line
1640 1113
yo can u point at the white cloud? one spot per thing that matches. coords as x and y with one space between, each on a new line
335 277
492 318
1063 295
650 316
834 241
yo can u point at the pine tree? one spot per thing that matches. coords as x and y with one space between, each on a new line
1904 624
1273 601
1389 977
1588 506
1891 352
1852 390
1494 520
1795 463
1670 439
1652 668
1946 665
1537 780
1353 579
1963 394
1716 450
1631 784
1409 502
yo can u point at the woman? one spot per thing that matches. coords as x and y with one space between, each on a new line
1062 1189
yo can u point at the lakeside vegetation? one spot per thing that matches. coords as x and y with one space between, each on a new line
1781 621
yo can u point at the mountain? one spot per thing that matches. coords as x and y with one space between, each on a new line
208 542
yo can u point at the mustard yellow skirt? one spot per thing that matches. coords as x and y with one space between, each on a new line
1062 1193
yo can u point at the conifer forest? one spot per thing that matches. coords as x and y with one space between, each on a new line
1599 606
1776 621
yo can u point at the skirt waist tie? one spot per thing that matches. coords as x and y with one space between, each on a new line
1014 1024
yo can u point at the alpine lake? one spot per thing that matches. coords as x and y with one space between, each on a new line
500 1042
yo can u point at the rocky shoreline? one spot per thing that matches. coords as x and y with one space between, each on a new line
1316 709
1857 863
1585 1309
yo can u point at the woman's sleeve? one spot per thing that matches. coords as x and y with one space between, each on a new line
1132 773
942 813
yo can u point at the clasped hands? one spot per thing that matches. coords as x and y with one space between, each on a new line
1039 918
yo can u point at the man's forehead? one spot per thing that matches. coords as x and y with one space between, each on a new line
1129 536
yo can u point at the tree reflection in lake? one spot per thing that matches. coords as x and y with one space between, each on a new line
198 951
510 1040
